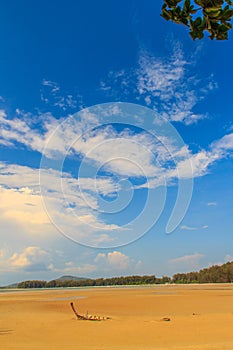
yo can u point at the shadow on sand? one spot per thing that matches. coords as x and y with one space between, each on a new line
5 331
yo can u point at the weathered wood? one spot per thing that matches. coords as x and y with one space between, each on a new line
81 317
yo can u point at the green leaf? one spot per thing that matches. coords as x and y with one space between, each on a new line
200 2
214 3
193 11
187 6
196 34
214 16
222 36
172 3
225 27
166 14
227 14
213 12
183 19
198 21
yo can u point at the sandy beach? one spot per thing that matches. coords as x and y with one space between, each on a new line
201 317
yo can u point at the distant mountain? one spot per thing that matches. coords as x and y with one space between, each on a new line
70 278
13 285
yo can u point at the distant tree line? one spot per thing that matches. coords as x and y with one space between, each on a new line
213 274
113 281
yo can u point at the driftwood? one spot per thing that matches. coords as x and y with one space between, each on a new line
85 318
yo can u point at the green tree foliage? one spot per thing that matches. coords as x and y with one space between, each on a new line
213 274
213 16
33 284
116 281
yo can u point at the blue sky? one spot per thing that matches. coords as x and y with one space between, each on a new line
108 177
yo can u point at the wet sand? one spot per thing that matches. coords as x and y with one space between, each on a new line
201 318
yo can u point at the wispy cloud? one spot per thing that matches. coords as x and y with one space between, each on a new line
212 204
52 95
74 202
73 268
187 261
192 228
188 228
202 160
222 146
205 227
168 85
123 153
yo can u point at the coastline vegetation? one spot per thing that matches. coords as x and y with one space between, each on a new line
213 274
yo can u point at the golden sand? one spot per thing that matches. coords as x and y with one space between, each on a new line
201 318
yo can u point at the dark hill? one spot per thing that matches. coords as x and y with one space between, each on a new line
69 278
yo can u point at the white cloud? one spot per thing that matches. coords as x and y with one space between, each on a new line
34 260
118 260
75 269
228 258
21 130
157 77
192 228
167 85
102 185
188 228
222 146
74 203
187 261
23 207
74 212
123 153
51 94
205 227
201 161
212 204
120 153
26 181
31 259
115 261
